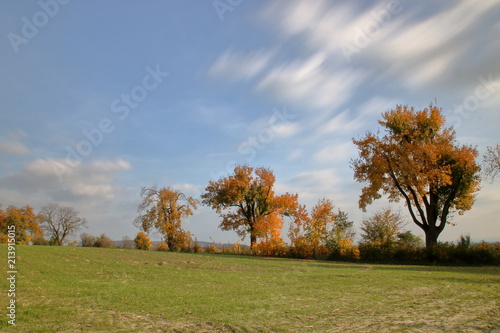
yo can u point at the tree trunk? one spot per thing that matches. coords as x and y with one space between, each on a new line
431 236
253 240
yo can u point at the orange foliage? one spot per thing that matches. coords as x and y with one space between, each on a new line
301 248
162 246
247 203
321 221
142 241
418 160
163 211
347 251
25 221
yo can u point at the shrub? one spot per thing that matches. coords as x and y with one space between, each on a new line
376 252
270 248
408 240
462 253
162 246
232 249
301 248
104 241
212 248
142 241
87 240
40 241
196 247
343 250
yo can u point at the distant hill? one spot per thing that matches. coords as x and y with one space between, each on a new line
121 243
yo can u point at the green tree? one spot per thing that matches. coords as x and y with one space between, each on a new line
382 228
408 239
418 160
342 228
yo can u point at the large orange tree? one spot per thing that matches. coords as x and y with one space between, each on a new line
247 203
418 160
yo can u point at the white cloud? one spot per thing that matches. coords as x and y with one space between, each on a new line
189 189
423 38
341 124
13 148
92 181
312 185
310 83
286 130
296 17
336 152
413 46
375 106
236 65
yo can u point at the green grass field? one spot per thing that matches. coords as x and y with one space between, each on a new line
67 289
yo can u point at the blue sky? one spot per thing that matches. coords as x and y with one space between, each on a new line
99 99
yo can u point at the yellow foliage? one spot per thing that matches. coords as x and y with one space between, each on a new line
248 205
164 210
25 221
142 241
162 246
419 161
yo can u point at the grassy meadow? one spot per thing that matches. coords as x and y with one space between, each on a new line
69 289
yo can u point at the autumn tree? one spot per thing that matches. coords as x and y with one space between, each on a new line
163 211
25 221
301 244
383 227
142 241
491 161
418 160
61 222
319 225
247 203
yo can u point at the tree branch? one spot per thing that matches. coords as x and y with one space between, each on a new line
408 200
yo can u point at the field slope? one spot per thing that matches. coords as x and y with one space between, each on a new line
65 289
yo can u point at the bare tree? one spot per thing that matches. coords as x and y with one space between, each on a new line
491 159
128 243
61 222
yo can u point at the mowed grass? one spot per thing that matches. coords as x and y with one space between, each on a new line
66 289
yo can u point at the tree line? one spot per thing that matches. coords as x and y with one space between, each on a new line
416 160
59 223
